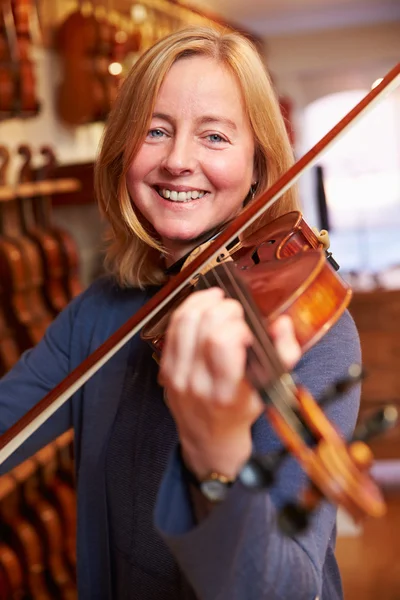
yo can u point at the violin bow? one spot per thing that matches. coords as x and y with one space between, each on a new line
16 435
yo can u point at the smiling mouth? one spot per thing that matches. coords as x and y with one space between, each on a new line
175 196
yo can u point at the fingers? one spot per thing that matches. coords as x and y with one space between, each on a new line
205 346
285 342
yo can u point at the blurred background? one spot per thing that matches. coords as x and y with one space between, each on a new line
61 63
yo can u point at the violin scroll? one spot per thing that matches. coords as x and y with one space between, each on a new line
337 469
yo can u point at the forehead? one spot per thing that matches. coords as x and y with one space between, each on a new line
199 83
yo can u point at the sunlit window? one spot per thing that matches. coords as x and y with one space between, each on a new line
361 179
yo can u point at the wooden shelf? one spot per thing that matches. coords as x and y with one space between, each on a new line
84 173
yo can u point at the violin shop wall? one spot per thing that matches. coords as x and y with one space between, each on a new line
71 145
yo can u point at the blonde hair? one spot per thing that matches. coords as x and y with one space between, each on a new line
134 252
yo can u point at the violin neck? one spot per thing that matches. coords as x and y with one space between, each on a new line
27 216
10 219
42 210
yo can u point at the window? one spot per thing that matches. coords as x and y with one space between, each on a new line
361 180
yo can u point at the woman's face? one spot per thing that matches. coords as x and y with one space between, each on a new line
196 165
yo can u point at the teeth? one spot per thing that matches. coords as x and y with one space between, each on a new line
181 196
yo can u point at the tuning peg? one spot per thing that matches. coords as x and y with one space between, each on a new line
354 375
260 470
382 420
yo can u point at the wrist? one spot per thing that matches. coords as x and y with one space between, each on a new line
213 488
225 459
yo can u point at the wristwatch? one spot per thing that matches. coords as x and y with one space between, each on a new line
215 486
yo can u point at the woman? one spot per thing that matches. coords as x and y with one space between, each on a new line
196 130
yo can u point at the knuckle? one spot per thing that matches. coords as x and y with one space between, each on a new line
236 306
183 316
217 342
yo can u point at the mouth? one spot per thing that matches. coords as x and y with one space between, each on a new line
178 195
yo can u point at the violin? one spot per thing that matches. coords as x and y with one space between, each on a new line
42 515
47 246
20 267
11 577
69 258
81 95
105 36
9 351
22 538
303 285
62 498
266 262
7 62
28 104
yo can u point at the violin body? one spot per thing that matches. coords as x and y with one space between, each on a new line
105 33
22 276
22 538
302 286
62 498
42 515
7 68
283 237
21 271
28 103
283 270
66 261
11 576
53 271
9 351
49 252
82 96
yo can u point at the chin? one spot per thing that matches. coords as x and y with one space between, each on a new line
179 236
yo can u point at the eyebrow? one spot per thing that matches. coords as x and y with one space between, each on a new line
202 121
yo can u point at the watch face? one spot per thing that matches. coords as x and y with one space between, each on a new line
214 490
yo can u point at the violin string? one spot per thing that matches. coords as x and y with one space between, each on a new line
266 355
259 349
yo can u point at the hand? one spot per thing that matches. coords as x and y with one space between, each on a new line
203 372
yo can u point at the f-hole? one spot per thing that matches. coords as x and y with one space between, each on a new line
255 256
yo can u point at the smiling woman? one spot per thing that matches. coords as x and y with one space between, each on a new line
197 113
162 514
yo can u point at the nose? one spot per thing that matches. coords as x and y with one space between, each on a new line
180 158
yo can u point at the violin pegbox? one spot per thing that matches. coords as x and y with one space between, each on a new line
337 468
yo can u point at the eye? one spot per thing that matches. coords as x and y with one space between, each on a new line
155 133
216 138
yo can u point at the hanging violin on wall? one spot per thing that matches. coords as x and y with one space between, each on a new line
8 62
86 42
80 95
69 259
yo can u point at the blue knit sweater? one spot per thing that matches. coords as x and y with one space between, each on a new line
137 536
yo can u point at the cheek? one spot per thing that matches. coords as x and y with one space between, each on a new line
132 177
140 167
232 171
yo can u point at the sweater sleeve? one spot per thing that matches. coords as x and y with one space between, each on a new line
36 373
238 552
